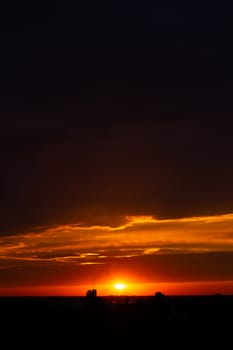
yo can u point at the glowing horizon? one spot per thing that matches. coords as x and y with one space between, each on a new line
142 248
136 289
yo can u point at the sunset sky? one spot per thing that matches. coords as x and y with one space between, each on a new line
116 143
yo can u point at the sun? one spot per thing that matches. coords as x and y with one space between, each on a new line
119 286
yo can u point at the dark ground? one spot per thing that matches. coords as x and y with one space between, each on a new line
157 322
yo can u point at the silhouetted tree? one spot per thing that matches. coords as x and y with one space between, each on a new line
91 293
161 305
93 302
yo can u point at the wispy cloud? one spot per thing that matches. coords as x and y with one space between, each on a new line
138 235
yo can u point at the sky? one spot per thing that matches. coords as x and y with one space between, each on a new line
116 148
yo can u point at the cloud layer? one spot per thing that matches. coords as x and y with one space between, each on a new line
195 248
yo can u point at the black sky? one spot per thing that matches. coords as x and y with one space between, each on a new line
113 109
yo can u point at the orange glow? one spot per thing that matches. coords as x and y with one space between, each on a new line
141 252
134 289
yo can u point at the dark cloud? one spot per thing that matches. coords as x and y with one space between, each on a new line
154 268
74 174
178 267
111 111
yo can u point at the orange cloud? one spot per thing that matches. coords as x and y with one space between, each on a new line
137 236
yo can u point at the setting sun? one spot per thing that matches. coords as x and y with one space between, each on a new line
119 286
